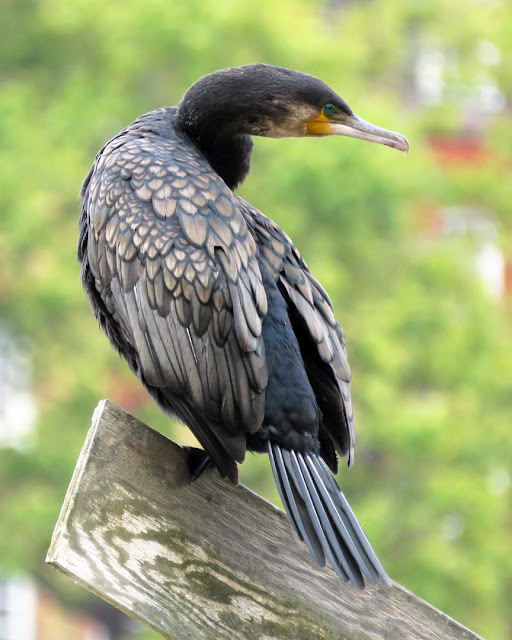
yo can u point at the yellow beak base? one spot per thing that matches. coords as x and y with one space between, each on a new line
319 126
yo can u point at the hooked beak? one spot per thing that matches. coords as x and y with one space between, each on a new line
355 127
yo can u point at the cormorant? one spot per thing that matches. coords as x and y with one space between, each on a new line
211 304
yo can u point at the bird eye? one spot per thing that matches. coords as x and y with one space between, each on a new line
328 109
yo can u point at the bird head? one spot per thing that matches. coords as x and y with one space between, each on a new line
265 100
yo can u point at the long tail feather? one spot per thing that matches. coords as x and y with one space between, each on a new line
322 517
295 507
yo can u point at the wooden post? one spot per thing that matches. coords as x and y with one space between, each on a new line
209 560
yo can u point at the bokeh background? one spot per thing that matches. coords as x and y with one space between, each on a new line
415 253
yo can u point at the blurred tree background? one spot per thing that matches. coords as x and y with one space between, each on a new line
414 253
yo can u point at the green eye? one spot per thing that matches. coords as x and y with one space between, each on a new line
328 109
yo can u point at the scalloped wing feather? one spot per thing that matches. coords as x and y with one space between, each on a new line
176 266
314 307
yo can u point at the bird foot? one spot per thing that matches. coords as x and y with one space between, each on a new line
197 462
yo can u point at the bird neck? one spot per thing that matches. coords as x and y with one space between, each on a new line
229 156
228 153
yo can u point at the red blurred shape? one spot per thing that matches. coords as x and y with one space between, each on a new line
126 393
507 279
459 150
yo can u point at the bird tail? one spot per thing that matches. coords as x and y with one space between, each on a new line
322 517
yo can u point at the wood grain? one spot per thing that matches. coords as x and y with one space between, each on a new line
209 560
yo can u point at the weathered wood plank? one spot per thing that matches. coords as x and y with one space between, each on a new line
209 560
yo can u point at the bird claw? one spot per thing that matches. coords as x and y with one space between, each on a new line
197 462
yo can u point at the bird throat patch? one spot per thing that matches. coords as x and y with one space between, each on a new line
318 126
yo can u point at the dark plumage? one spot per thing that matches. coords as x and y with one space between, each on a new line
211 304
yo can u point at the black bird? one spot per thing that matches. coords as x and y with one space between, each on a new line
211 304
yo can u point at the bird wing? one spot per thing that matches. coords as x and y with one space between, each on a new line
175 266
321 339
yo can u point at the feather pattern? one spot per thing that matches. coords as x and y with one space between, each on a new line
321 339
158 251
322 517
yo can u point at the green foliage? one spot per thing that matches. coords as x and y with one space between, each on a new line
430 351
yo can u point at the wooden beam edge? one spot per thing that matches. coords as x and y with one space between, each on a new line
447 620
69 499
59 532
